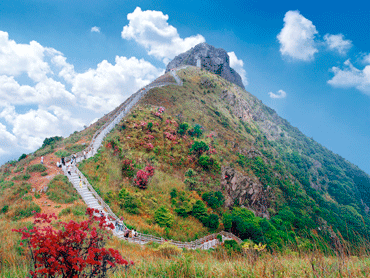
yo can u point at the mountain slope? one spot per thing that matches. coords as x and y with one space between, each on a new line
307 195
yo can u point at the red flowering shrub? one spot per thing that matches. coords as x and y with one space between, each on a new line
73 249
128 168
142 176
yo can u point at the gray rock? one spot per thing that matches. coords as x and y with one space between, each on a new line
213 59
245 191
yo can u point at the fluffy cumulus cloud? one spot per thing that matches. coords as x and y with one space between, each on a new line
151 30
297 38
351 77
280 94
366 58
41 94
237 65
337 43
95 29
108 85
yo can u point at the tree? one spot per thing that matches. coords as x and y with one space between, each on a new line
199 147
213 221
199 211
163 217
71 249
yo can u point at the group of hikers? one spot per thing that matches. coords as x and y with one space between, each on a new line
126 232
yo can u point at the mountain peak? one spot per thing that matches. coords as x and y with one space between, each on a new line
208 57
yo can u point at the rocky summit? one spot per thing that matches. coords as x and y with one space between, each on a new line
208 57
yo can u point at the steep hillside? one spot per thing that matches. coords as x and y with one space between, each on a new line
223 160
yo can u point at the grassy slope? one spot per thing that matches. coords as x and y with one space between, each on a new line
289 162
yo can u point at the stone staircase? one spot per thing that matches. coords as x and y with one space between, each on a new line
92 198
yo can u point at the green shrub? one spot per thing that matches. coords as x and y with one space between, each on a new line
61 190
232 246
4 209
78 210
21 189
131 204
37 196
150 126
36 168
65 212
183 127
214 199
44 174
213 221
27 198
26 210
23 156
173 193
199 211
163 217
76 148
62 153
51 141
19 169
205 161
199 147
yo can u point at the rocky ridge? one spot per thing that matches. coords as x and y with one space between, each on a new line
213 59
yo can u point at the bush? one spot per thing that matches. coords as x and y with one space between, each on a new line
213 221
128 169
51 141
71 249
214 199
23 156
62 153
163 217
196 131
4 209
183 127
205 161
61 190
232 246
36 168
199 147
167 250
44 174
131 204
199 211
25 210
173 193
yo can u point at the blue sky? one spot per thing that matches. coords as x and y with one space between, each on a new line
309 61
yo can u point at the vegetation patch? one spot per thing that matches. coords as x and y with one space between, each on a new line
60 190
36 168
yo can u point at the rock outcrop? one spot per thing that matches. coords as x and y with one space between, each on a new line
213 59
245 192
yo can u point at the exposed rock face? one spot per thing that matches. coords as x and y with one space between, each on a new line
213 59
244 190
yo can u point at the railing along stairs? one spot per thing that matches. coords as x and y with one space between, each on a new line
92 198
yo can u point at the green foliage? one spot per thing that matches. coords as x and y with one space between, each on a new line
23 156
214 199
62 153
213 221
19 169
205 161
163 217
173 193
36 168
44 174
75 148
199 147
150 126
232 246
196 131
26 210
4 209
61 190
199 211
183 127
51 141
131 204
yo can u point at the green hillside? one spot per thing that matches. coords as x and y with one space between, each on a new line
223 160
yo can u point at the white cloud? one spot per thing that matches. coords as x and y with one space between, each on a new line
151 30
350 76
237 65
366 58
16 59
105 87
95 29
31 128
280 94
338 43
7 140
297 38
